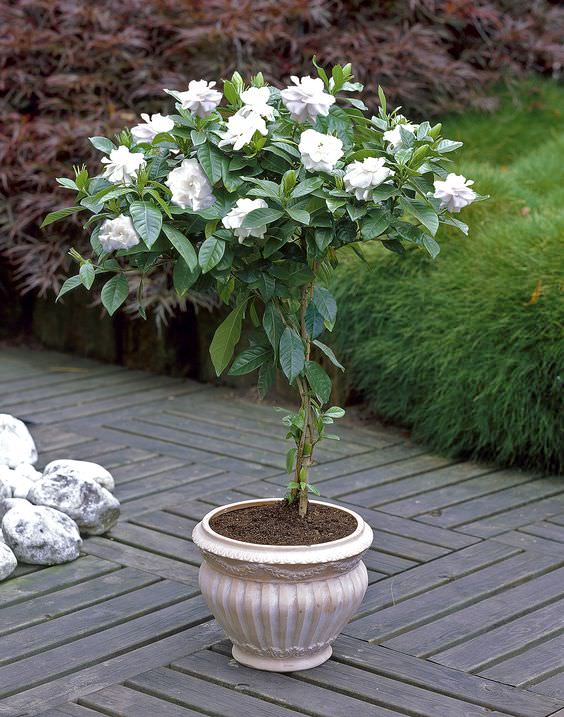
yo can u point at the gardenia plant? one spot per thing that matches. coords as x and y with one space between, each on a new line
254 192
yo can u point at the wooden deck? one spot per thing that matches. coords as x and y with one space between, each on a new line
464 615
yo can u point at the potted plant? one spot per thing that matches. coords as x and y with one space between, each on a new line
254 193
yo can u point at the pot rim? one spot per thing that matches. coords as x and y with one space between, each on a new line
208 540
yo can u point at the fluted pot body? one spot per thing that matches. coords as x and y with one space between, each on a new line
282 605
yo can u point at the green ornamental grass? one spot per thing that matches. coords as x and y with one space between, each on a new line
468 350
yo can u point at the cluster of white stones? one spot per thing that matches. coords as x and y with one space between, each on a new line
43 514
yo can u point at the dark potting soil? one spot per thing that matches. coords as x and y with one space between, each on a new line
279 524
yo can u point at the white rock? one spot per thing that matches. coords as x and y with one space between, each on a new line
41 535
81 469
17 483
94 508
8 562
7 504
16 443
28 471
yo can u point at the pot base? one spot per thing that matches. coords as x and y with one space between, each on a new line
281 664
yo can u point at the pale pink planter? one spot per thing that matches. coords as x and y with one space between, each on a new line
282 606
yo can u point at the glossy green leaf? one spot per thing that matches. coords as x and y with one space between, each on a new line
210 253
147 220
318 380
226 338
114 293
325 303
260 217
329 353
182 245
87 274
249 360
291 354
70 284
59 214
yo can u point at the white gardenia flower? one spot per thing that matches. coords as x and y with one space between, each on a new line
200 97
123 165
118 233
190 186
320 152
307 99
154 125
454 192
361 177
236 216
256 100
393 136
241 129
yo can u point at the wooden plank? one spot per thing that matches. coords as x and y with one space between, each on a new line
94 451
92 649
544 529
180 494
85 594
485 615
72 710
111 671
482 651
534 665
434 499
439 601
166 522
195 693
493 510
124 702
431 575
179 547
143 560
381 661
387 564
360 487
207 443
53 578
84 622
153 465
171 479
405 697
278 688
552 687
528 541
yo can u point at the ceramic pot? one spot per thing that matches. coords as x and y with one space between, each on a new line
282 605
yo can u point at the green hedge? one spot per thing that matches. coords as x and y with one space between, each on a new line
468 349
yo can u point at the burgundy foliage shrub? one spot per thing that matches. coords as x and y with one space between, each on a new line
70 69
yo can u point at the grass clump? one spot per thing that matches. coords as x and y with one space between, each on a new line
468 350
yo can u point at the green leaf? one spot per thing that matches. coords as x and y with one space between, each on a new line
290 458
374 224
103 144
59 214
382 98
267 374
318 380
394 245
448 145
69 285
323 237
307 187
212 161
211 253
272 325
299 215
249 360
329 353
423 212
87 274
147 221
260 217
184 276
292 355
325 303
182 245
230 92
313 321
226 338
335 412
67 183
263 188
383 192
114 293
431 245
